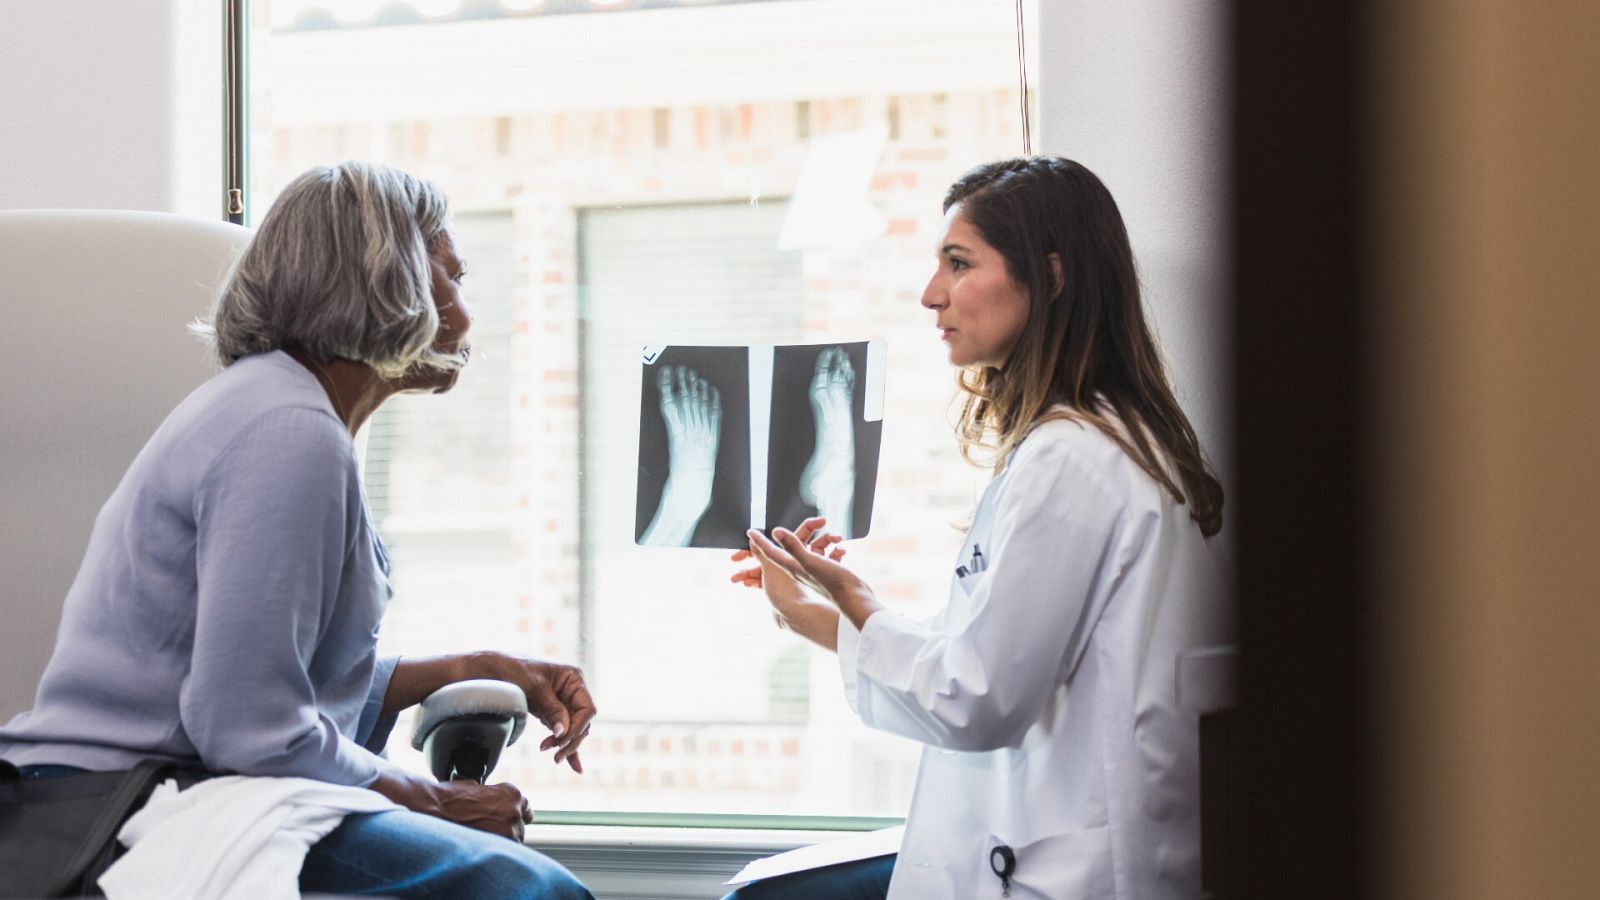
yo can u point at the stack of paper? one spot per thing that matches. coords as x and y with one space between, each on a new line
858 846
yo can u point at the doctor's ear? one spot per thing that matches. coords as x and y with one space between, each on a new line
1058 279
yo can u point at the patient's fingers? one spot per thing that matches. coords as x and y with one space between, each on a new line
574 694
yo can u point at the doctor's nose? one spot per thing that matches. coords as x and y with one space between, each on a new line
933 296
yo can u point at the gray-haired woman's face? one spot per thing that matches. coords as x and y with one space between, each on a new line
455 317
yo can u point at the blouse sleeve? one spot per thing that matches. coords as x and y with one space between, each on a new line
276 517
979 685
374 729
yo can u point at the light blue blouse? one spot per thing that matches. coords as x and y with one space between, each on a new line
228 604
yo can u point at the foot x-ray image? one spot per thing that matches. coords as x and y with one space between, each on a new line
795 429
823 448
694 448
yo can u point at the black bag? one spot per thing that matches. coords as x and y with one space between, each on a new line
59 835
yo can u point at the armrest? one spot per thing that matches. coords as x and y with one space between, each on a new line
461 728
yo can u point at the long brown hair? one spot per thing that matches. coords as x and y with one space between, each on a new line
1086 352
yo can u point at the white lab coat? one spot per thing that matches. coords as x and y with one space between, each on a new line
1047 690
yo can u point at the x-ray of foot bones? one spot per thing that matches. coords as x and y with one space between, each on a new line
829 479
691 408
826 404
740 437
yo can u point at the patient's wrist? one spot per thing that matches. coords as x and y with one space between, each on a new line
408 790
478 664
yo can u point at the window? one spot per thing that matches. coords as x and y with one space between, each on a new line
661 172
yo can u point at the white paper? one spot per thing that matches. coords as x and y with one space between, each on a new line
849 849
877 364
830 205
760 421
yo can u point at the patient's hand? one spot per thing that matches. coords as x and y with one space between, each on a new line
496 808
557 696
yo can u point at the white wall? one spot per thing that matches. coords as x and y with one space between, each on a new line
111 105
106 106
1138 93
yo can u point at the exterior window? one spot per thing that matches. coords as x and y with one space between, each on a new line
663 172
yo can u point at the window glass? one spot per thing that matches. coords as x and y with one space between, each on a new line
655 172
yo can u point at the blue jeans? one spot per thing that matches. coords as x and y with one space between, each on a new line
404 854
866 879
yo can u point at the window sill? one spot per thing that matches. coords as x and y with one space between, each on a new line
621 862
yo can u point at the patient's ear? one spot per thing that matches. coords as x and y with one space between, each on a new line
1058 280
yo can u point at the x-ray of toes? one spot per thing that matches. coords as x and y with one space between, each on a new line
823 445
737 437
694 448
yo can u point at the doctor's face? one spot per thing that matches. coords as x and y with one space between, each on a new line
979 310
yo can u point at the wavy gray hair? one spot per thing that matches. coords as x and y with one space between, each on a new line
338 268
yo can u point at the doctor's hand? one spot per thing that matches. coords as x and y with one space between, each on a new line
792 608
811 534
791 555
556 694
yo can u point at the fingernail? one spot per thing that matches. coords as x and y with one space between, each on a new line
559 730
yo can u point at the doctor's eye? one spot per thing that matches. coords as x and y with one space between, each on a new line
957 264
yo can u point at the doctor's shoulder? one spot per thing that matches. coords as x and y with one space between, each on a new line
1069 451
1074 450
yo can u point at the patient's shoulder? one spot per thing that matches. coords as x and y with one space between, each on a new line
262 411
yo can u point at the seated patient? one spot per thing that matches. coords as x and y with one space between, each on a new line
227 609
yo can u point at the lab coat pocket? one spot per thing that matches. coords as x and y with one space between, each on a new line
969 582
1072 864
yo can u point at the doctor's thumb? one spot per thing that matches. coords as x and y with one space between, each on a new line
798 557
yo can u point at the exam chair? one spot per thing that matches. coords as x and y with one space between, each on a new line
94 354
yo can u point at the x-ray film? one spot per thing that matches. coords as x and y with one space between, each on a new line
737 437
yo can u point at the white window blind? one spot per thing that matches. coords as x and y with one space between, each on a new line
689 274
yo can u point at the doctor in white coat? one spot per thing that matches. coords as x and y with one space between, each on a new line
1060 761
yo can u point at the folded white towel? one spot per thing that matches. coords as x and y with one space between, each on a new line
232 837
